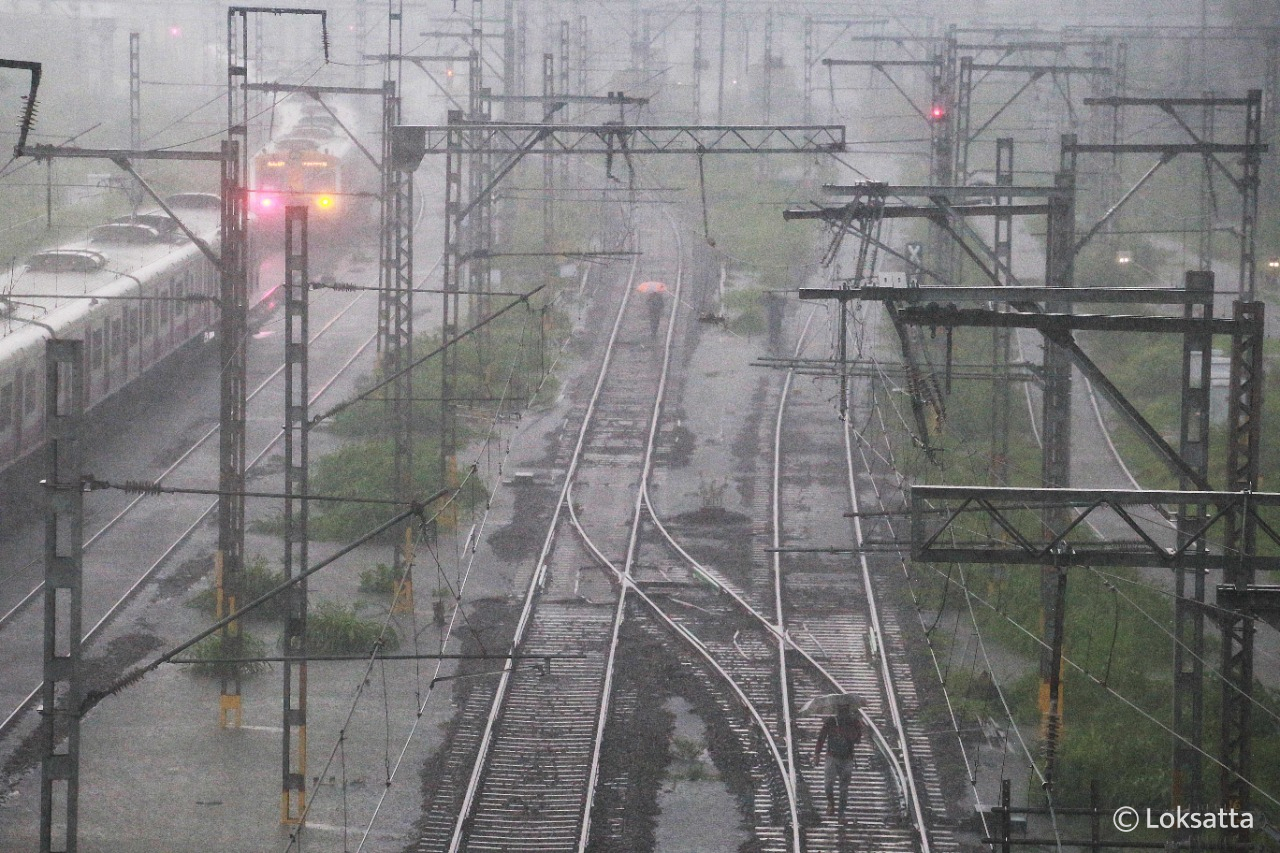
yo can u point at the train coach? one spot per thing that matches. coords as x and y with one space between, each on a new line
311 160
134 290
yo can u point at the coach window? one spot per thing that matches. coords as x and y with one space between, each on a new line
117 336
131 320
95 359
29 401
164 305
6 406
147 309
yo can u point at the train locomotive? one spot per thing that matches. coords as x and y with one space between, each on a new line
310 160
135 290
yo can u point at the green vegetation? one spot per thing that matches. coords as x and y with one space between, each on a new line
380 580
496 375
745 310
212 648
258 580
1119 624
338 629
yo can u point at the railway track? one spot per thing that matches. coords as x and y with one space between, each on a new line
807 608
536 757
525 769
114 590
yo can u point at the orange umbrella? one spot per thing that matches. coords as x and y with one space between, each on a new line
652 287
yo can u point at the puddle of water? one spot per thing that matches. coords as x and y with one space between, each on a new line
697 813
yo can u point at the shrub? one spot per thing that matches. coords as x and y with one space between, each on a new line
212 648
338 629
380 580
258 580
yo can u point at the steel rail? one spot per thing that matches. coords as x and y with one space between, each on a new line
912 793
776 555
178 541
536 580
779 631
726 588
633 541
688 636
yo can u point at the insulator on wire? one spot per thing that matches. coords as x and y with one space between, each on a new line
142 487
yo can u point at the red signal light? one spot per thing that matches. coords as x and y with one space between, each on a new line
938 113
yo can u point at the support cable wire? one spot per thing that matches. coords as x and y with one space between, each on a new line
1149 717
390 767
1209 666
1004 702
895 711
448 630
971 766
1206 606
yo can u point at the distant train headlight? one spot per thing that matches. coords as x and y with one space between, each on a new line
324 201
266 201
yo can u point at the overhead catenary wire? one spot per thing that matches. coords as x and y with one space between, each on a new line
458 612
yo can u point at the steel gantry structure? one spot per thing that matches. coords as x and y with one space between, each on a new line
512 141
939 307
231 259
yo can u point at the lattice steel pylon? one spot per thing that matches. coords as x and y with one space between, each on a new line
1244 425
1056 451
135 90
293 800
233 333
386 248
63 690
398 357
1001 338
1189 586
699 64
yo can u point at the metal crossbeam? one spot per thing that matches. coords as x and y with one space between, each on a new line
1165 102
48 152
1057 324
931 293
409 143
926 191
880 63
1255 600
1017 513
1169 148
314 91
617 98
1043 69
847 212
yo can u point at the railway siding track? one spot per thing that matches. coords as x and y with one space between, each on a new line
524 774
822 602
535 763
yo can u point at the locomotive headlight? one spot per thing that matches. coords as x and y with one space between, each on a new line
324 201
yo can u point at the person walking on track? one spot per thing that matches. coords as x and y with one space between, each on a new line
840 735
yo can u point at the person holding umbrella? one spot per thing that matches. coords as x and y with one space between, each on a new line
654 291
840 734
